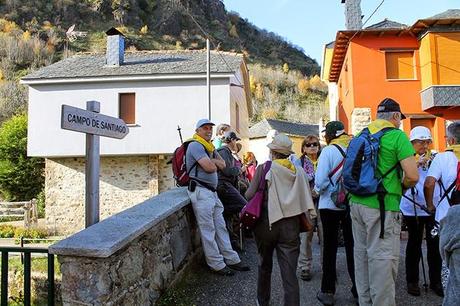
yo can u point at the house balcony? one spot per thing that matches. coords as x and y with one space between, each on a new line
440 96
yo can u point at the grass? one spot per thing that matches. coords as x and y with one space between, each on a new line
38 264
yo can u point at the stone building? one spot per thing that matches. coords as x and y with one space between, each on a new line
154 92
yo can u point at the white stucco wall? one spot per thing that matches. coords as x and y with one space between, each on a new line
161 105
333 94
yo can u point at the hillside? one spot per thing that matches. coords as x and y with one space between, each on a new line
33 35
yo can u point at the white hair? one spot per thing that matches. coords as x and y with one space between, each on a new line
453 131
386 115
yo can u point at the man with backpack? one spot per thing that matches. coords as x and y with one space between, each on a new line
202 163
334 211
372 175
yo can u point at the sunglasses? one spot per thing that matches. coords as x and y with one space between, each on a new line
313 144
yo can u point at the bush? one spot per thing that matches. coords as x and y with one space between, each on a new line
21 177
41 204
7 231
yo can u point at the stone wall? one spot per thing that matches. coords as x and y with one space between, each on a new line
124 182
131 257
360 118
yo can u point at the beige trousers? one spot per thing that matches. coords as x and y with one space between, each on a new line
376 259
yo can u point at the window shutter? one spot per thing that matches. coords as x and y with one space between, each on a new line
127 107
400 65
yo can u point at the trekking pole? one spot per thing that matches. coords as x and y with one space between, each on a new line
425 285
180 134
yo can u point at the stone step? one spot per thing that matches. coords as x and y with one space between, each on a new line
12 204
9 211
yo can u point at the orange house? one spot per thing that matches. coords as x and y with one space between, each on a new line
417 66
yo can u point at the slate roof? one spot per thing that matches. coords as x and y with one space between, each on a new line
449 14
330 45
261 128
138 64
387 24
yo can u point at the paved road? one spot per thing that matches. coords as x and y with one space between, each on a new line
202 287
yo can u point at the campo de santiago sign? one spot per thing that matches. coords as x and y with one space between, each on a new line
81 120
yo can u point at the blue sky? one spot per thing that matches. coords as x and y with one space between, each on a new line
310 24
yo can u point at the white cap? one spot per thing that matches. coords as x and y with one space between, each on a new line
420 133
202 122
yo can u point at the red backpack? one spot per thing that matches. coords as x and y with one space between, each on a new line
179 168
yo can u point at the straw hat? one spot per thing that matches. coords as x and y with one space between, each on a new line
281 144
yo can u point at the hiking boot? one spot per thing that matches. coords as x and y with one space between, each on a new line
413 289
239 267
325 298
224 272
437 288
305 275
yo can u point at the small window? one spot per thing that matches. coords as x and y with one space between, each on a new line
237 117
400 65
127 107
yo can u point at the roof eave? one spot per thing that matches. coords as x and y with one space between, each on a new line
129 78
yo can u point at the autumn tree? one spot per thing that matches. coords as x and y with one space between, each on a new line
286 68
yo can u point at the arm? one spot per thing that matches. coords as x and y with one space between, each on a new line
218 161
207 164
228 170
409 166
252 189
322 171
428 191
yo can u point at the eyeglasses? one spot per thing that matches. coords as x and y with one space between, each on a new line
313 144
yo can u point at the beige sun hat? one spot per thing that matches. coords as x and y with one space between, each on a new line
281 144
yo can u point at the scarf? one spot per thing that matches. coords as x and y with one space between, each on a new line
208 145
342 140
378 125
285 163
456 149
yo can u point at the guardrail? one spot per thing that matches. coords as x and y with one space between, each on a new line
27 251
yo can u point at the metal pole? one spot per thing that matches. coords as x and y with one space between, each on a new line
92 172
208 76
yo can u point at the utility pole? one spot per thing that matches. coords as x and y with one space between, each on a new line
208 76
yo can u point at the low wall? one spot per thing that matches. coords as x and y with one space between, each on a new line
131 257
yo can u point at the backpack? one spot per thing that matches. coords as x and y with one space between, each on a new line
360 174
454 197
339 194
179 167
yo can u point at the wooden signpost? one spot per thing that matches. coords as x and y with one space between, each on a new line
92 123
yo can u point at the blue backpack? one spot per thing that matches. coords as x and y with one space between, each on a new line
360 175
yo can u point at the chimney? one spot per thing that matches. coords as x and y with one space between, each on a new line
115 53
353 19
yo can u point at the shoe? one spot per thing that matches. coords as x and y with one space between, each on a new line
239 267
413 289
437 288
224 272
325 298
305 275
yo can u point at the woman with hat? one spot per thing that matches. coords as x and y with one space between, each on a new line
416 216
286 197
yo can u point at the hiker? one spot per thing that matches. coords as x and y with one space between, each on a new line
444 171
250 164
377 225
227 187
202 156
286 197
332 213
450 250
308 161
220 131
417 218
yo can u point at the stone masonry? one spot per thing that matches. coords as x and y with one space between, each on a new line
360 118
124 182
131 257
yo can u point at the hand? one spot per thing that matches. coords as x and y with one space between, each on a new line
431 209
314 194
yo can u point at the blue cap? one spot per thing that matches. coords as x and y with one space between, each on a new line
202 122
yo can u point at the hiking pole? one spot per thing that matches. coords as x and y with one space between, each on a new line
180 134
425 285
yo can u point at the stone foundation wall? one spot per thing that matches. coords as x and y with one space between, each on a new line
131 257
360 118
124 182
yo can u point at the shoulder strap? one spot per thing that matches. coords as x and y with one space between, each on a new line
334 171
450 188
